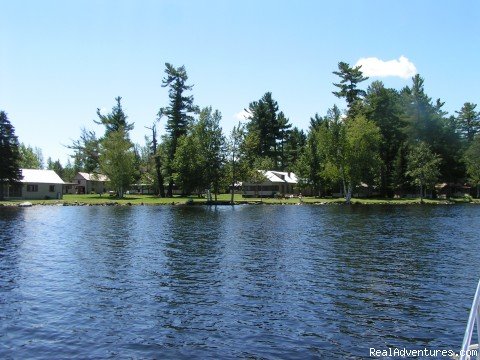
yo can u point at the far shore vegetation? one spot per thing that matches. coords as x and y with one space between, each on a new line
397 143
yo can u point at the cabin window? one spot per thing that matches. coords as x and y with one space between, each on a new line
51 188
32 188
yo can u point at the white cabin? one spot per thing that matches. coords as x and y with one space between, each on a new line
36 185
275 183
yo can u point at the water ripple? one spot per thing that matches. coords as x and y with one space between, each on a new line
251 282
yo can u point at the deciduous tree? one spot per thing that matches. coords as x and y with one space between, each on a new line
472 162
117 160
212 147
423 166
351 149
30 158
382 106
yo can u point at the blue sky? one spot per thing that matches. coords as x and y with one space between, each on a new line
61 60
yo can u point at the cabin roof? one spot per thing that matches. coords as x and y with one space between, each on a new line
280 176
40 176
92 176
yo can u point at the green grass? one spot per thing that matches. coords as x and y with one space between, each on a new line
95 199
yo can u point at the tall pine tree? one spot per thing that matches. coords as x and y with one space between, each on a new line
348 87
179 113
468 121
10 172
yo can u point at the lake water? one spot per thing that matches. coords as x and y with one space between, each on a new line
290 282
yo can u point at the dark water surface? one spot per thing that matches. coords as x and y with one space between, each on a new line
246 282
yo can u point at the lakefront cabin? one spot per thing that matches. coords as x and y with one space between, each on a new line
36 185
91 183
273 183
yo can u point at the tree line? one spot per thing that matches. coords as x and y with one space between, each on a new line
391 141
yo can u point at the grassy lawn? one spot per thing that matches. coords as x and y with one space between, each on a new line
95 199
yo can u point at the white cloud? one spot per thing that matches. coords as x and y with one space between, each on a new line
373 66
242 115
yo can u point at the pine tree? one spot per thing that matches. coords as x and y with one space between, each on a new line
425 121
268 131
10 172
293 148
178 112
468 121
114 121
56 166
86 152
348 86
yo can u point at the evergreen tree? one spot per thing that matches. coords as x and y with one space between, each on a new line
309 166
284 135
399 180
348 87
468 121
263 120
114 121
267 131
427 122
178 112
69 172
420 114
86 152
316 121
10 172
293 148
55 166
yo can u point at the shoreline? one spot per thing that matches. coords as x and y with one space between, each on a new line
186 202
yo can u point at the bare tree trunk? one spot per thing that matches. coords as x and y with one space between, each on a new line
421 193
233 178
348 194
232 193
158 165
